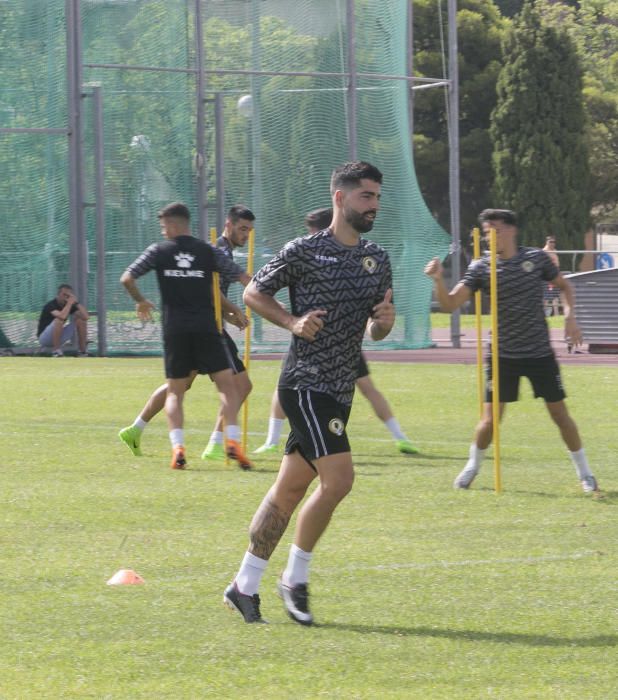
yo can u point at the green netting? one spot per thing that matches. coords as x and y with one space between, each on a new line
277 161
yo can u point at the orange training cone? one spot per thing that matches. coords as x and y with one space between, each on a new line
125 577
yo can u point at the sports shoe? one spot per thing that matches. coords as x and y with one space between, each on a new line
265 448
131 437
465 477
406 447
179 460
83 354
234 451
296 601
247 605
57 353
214 451
589 484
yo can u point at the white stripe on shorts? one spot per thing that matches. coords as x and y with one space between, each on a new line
312 422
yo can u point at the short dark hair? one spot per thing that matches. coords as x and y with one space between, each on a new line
319 219
350 174
175 210
505 215
64 286
240 211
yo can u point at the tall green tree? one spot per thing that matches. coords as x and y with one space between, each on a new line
593 26
480 30
540 155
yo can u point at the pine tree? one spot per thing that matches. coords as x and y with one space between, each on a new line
540 157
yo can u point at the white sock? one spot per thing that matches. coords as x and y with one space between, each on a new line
475 457
177 437
233 433
216 437
393 425
139 423
297 570
581 463
275 427
250 574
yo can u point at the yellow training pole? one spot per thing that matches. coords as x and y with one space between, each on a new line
476 241
495 367
247 357
216 297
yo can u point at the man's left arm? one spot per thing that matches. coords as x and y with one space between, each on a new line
80 312
572 332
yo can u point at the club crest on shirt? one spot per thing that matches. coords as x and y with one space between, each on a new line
336 426
184 260
527 266
369 264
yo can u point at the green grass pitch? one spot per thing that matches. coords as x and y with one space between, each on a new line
419 591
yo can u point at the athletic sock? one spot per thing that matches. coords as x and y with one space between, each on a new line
139 423
475 457
216 437
233 433
580 462
297 570
275 427
393 425
177 437
250 574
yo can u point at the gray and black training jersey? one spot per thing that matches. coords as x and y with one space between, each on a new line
224 245
184 267
347 282
522 328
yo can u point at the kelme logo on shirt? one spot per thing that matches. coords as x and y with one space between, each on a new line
527 266
336 426
369 264
184 260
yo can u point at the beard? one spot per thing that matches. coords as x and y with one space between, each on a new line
359 222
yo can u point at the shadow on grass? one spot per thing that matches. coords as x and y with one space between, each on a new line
532 640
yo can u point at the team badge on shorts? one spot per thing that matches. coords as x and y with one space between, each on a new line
527 266
336 426
369 264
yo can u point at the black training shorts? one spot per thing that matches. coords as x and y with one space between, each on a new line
363 368
237 363
543 373
186 352
317 423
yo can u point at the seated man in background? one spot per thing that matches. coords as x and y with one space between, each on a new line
61 320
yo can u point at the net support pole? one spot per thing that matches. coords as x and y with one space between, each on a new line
352 79
78 251
495 365
99 192
200 125
453 139
219 160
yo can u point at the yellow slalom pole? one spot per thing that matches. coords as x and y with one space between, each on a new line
247 356
476 241
216 297
495 366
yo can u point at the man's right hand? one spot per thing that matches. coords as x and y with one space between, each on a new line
144 310
434 269
308 326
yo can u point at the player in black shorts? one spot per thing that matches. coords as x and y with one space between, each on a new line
238 225
337 281
523 338
239 221
192 343
316 221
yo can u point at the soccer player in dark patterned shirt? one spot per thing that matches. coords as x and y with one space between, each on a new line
192 343
524 347
337 281
238 225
